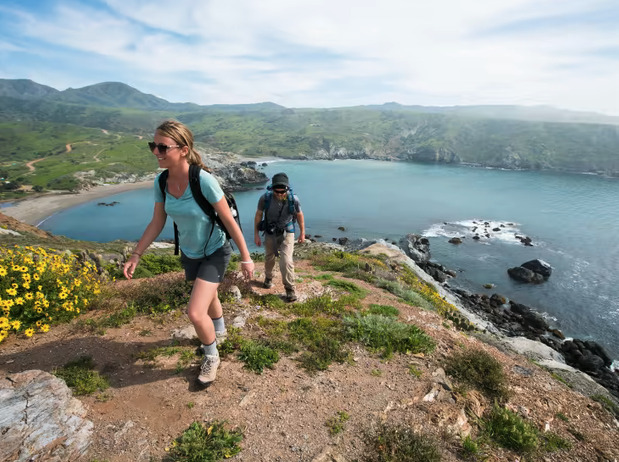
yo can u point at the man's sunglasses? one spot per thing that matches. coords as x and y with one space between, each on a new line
162 148
280 191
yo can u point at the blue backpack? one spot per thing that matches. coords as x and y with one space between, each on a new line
264 225
205 205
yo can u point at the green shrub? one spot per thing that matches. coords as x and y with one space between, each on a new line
384 310
510 431
469 447
401 444
322 339
336 423
348 286
210 442
480 370
81 377
256 356
387 334
40 288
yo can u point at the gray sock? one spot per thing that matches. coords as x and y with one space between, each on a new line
220 325
211 349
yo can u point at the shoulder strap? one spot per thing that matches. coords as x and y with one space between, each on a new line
198 196
291 208
267 200
163 181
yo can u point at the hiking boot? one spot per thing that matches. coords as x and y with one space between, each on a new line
268 283
208 370
221 336
290 295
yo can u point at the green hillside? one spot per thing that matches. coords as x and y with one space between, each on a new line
104 122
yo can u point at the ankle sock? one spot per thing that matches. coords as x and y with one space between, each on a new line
211 349
220 325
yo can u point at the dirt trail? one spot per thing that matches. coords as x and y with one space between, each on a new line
283 411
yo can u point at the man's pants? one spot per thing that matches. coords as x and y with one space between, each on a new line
281 245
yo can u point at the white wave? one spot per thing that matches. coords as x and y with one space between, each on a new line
486 230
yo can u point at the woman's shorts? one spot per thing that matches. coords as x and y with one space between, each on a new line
211 268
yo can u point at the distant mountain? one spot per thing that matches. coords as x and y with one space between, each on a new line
526 113
25 89
116 94
514 137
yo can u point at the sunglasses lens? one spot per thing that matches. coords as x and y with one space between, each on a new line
280 191
162 148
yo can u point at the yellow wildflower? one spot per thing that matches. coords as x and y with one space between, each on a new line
16 325
29 332
12 292
44 327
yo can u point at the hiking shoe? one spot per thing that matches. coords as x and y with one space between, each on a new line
268 283
290 295
221 336
208 370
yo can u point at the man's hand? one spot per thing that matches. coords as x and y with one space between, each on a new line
301 238
257 240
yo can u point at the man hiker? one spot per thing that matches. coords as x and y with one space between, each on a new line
278 210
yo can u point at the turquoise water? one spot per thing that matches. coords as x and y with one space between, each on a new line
571 219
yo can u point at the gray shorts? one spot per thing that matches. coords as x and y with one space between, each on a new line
211 268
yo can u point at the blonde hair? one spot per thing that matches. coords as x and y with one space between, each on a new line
183 137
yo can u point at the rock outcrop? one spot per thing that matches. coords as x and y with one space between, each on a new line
40 420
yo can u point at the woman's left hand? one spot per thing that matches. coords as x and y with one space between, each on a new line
248 269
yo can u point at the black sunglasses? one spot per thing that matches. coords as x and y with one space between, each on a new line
162 148
280 191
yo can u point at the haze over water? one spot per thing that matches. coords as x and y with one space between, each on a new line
571 219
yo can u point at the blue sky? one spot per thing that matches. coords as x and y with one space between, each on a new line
319 53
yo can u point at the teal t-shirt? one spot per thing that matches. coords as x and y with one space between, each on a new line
194 226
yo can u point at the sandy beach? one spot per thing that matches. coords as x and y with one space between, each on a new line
35 209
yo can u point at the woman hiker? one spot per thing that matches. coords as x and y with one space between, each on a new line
204 255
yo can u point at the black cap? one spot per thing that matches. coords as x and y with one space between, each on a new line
280 179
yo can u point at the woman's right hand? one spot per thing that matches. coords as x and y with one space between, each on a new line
131 265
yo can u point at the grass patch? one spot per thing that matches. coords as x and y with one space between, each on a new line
324 304
479 370
388 335
401 444
160 294
607 404
257 356
414 370
186 355
510 431
336 423
81 377
553 442
322 339
470 448
384 310
209 442
348 286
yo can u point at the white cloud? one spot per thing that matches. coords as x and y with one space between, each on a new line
298 53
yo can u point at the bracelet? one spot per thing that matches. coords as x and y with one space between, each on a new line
250 261
136 253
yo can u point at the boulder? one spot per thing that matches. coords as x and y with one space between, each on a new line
40 419
416 247
525 275
539 266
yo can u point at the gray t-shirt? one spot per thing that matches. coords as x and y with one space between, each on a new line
279 211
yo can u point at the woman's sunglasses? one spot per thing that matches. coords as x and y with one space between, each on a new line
162 148
280 191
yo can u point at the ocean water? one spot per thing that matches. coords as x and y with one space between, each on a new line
571 219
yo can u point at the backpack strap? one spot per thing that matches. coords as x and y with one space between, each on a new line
163 181
196 191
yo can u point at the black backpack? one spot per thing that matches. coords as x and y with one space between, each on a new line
207 208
